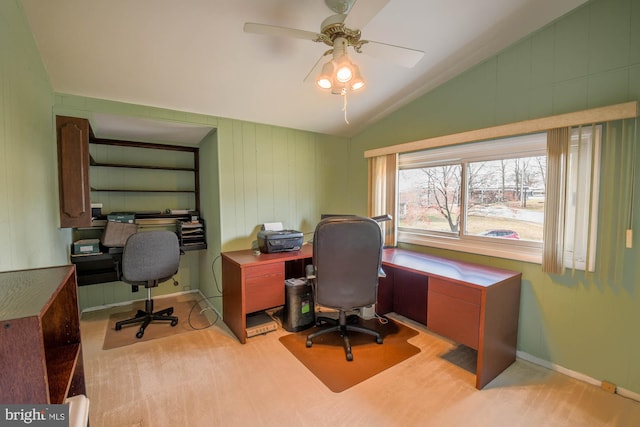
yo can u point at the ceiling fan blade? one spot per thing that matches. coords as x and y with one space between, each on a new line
273 30
363 11
403 56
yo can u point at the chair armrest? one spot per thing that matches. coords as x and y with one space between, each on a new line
310 272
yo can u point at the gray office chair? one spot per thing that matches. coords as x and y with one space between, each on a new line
150 258
347 256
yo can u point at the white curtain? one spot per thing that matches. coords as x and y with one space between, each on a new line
554 213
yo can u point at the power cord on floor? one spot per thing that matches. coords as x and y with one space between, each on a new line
383 320
202 310
213 274
206 299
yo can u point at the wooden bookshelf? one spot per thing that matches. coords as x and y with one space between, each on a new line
40 335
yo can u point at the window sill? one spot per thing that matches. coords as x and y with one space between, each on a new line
515 250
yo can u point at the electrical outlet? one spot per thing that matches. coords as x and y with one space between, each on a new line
607 386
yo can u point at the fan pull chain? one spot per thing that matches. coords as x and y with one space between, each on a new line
344 106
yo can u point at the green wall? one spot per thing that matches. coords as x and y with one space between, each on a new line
272 174
28 167
588 58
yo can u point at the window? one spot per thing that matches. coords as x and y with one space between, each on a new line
505 198
489 197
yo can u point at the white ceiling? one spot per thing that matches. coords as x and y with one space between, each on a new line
192 55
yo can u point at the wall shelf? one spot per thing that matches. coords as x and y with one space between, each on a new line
132 190
93 163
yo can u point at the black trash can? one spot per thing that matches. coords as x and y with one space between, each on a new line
299 309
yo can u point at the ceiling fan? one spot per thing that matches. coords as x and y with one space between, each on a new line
340 31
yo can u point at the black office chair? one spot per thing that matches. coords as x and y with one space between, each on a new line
150 258
347 255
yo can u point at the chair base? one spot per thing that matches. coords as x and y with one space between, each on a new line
342 325
147 316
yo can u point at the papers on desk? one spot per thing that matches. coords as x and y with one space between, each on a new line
272 226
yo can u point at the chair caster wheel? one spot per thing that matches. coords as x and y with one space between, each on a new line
379 340
140 333
174 322
309 343
349 357
118 327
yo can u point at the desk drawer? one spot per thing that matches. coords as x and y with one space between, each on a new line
454 311
264 287
454 290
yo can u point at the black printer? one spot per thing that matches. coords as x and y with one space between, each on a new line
273 241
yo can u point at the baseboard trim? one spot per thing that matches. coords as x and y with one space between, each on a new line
574 374
155 297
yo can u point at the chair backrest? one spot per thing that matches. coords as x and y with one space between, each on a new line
347 253
150 256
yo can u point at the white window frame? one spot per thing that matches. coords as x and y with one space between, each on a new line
504 148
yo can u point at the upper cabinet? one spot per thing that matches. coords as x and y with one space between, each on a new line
73 171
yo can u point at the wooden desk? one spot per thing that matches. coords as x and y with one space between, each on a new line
256 282
472 304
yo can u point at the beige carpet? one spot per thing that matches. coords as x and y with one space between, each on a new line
186 307
326 358
207 378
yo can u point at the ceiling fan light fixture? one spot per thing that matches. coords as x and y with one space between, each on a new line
357 82
344 69
324 83
325 79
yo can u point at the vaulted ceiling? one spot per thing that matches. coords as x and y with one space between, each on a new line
193 55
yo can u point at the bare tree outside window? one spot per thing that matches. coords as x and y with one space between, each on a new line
430 198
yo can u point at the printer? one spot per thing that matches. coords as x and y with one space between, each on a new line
273 239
